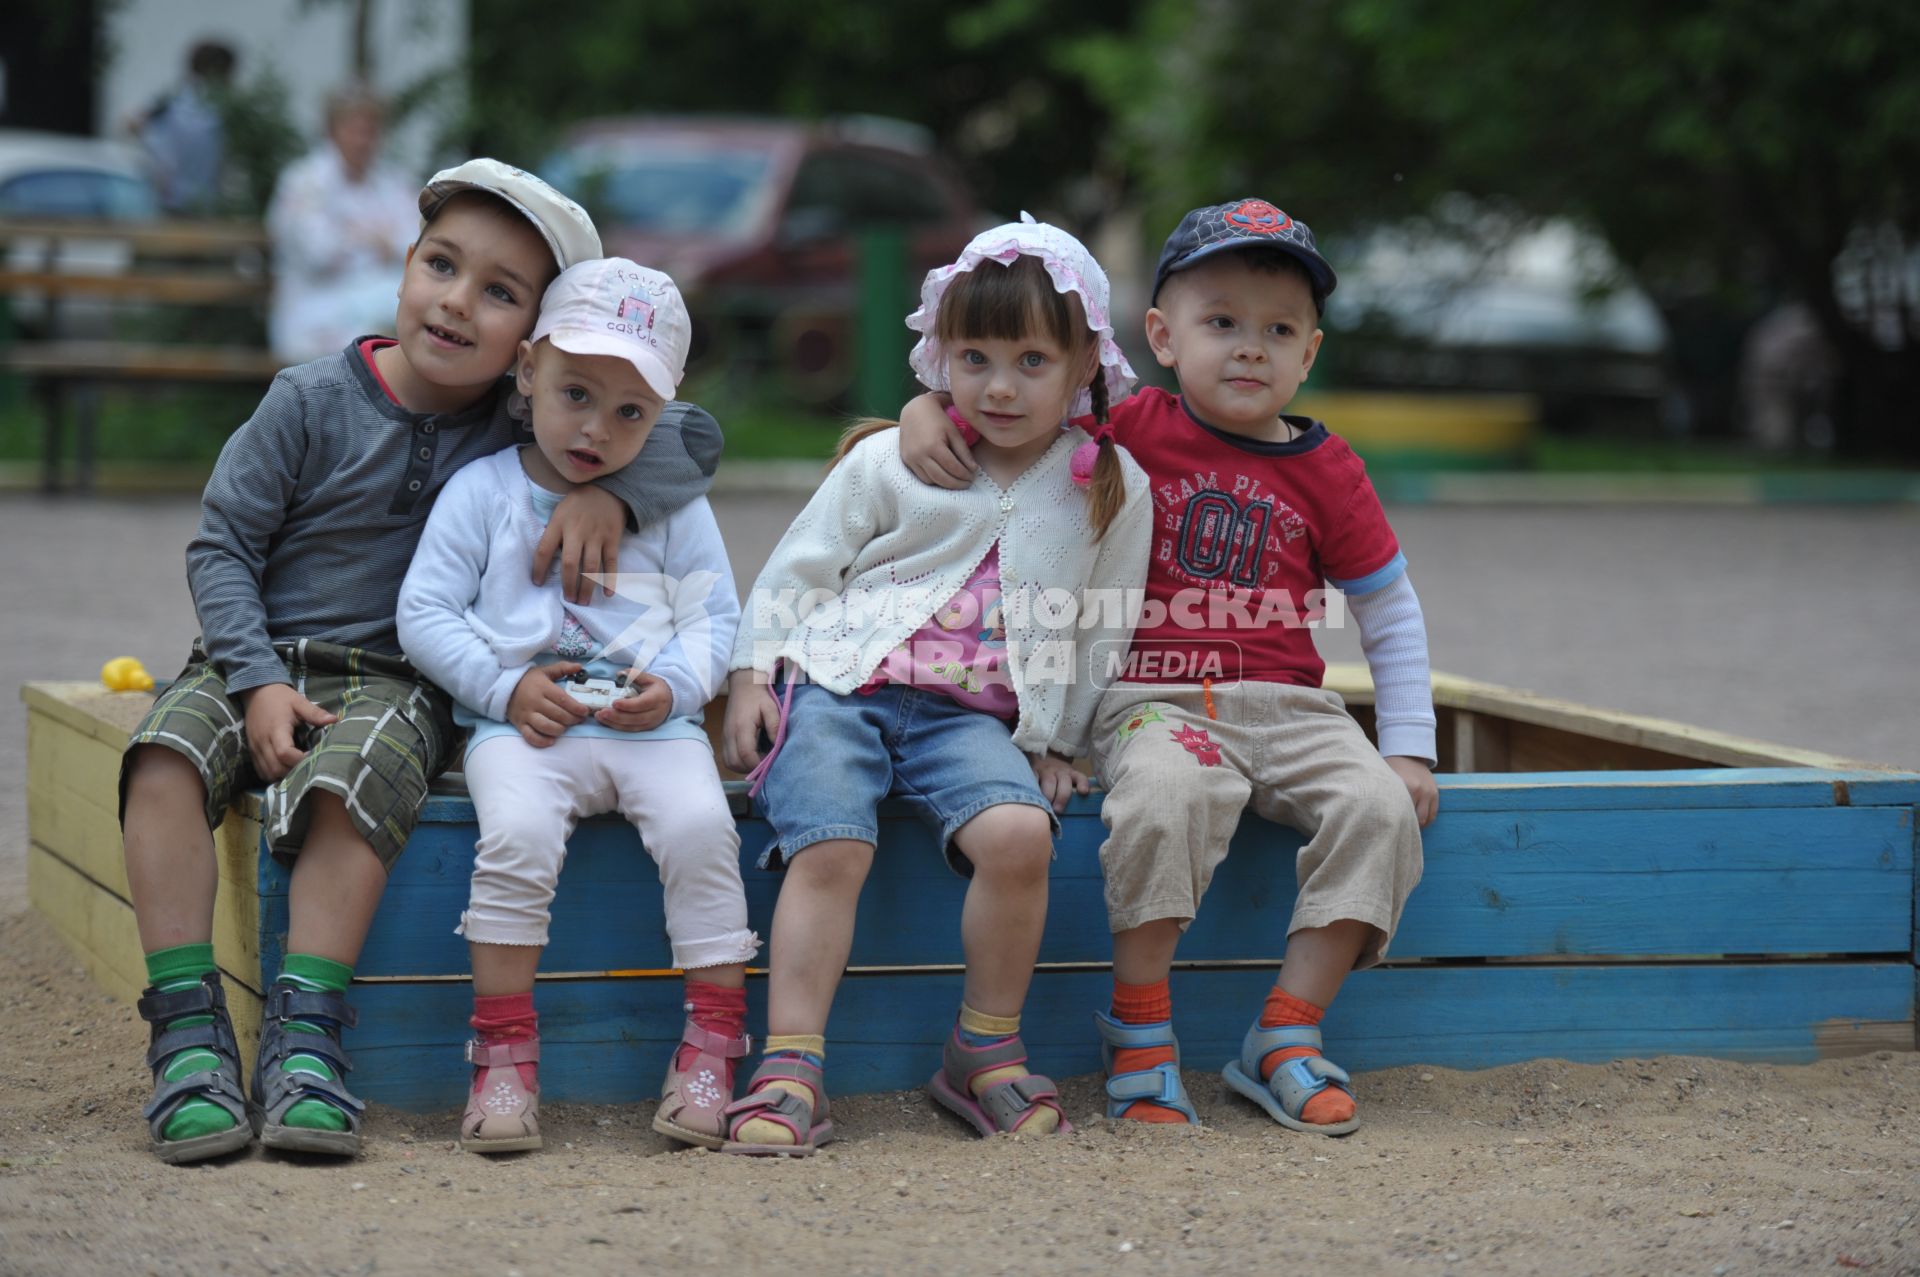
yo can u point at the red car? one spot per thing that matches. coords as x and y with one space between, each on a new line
758 221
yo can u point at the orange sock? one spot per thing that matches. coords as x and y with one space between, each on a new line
1326 1108
1144 1004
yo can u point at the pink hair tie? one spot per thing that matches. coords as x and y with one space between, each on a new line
1089 452
968 435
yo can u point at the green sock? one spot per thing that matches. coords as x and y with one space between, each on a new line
315 975
171 970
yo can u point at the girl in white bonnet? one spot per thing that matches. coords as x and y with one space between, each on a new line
938 674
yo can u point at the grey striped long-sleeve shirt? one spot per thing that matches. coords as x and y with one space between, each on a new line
317 503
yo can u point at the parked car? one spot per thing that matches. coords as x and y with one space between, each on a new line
758 221
1543 310
57 176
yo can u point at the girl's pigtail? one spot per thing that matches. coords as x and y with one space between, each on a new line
1096 464
854 433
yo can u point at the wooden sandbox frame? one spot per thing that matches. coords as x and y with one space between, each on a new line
1598 885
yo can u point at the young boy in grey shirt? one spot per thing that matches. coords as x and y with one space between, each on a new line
298 681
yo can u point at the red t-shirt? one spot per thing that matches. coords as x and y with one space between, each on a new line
1246 536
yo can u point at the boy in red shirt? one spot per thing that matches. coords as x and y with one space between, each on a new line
1219 705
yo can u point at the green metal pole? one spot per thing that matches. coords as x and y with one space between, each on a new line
880 343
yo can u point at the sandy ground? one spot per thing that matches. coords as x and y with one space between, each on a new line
1794 625
1658 1166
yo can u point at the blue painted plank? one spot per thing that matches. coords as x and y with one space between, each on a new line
1566 791
607 1041
1706 787
1540 884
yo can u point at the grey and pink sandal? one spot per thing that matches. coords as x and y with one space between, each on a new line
809 1122
693 1100
503 1114
1002 1108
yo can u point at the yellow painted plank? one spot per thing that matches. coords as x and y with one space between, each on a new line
103 922
244 1005
99 929
1454 423
88 840
236 909
89 708
75 760
95 922
78 832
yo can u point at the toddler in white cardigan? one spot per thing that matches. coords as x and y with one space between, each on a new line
946 648
607 354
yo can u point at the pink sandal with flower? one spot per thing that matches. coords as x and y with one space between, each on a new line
503 1112
699 1086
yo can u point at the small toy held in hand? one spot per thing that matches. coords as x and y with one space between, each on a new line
126 674
597 693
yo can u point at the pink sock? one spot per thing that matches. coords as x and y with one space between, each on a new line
507 1017
716 1009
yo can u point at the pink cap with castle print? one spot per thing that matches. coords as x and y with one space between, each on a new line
611 306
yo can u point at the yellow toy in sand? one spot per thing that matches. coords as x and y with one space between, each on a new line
125 674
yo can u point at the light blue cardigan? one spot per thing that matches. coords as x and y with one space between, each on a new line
473 621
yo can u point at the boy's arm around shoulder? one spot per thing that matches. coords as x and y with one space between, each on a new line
706 608
244 507
441 586
1115 590
855 501
674 467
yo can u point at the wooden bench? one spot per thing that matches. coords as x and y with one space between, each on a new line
172 264
1720 897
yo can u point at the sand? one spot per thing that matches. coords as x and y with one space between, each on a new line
1672 1165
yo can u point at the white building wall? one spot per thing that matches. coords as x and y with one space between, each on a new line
307 45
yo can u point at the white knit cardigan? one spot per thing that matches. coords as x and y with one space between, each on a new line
876 552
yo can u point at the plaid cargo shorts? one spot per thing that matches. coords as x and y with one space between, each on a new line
395 733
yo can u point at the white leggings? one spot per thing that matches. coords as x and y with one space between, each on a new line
529 800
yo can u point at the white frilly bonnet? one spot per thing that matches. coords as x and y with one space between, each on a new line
1069 265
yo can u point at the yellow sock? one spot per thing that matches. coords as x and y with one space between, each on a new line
983 1028
760 1131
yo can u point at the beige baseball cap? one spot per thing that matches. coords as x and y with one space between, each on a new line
611 306
565 226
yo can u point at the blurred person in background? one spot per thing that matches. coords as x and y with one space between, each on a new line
340 221
184 134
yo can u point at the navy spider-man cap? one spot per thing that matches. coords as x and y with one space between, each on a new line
1242 224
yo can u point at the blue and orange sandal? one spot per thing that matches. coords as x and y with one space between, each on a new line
1295 1082
1160 1084
1002 1108
218 1085
809 1123
276 1088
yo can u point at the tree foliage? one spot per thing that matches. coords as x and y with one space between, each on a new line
1742 151
1746 151
985 78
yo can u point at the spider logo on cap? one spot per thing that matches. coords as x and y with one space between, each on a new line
1259 218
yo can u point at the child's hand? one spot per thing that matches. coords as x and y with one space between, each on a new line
644 710
1418 778
1059 779
585 529
751 710
274 714
540 709
931 447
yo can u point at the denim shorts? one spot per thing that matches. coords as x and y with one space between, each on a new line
843 754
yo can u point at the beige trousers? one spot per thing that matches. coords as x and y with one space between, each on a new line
1178 780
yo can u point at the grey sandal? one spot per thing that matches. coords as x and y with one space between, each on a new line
277 1088
218 1085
